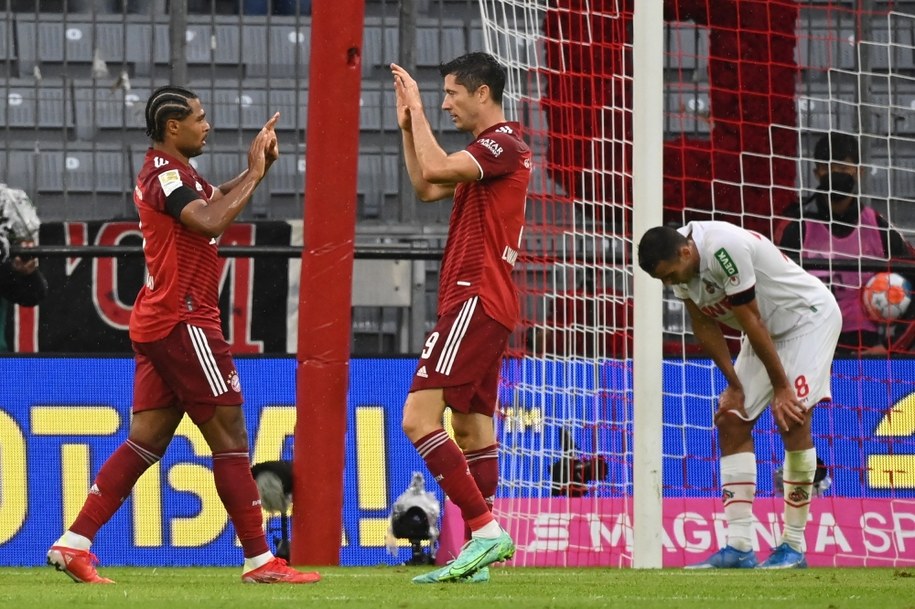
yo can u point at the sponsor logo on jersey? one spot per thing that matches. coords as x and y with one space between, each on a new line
724 259
527 163
150 283
94 490
491 145
422 372
159 162
170 181
509 255
234 381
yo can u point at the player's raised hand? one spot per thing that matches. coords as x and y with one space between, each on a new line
407 96
272 150
258 151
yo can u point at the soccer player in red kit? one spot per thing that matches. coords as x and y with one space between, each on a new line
477 305
183 364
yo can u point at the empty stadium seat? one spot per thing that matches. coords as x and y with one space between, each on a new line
824 106
67 44
687 109
37 110
275 47
84 171
378 177
379 44
109 115
890 44
826 44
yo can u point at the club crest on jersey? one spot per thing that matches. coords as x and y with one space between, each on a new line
234 381
710 287
724 259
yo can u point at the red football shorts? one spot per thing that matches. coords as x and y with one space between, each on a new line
191 369
463 356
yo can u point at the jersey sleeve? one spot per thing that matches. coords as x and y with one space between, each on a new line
497 154
731 263
178 188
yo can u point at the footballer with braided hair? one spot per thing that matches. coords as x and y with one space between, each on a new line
183 363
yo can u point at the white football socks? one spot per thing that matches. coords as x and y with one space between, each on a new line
738 486
72 540
800 467
488 531
257 561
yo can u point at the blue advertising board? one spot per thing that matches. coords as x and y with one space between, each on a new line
60 418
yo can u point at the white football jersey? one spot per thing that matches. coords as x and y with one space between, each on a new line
733 260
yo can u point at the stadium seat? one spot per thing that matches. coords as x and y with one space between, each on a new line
379 44
7 38
84 171
106 115
890 44
826 44
439 41
275 47
68 45
149 46
378 176
477 36
687 109
17 168
687 48
823 106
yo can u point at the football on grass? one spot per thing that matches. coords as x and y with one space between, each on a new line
886 296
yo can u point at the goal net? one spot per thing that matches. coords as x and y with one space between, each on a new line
749 88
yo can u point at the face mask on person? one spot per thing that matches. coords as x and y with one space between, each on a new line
835 187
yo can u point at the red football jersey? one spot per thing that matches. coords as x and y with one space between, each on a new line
182 267
484 233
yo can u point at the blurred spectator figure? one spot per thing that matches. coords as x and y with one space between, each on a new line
833 222
21 282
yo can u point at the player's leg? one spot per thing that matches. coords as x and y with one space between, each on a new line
475 435
455 368
151 429
227 438
797 486
199 366
738 466
807 360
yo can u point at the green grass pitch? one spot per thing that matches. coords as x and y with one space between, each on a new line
510 588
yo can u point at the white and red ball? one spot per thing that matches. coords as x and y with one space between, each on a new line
886 296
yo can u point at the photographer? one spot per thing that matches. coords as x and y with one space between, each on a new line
21 282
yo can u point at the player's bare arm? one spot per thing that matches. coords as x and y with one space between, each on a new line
404 89
213 217
786 408
709 334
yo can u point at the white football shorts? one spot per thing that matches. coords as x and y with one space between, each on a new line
807 359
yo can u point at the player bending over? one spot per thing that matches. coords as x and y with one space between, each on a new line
790 323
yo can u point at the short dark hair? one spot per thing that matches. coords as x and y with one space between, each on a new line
657 245
835 146
475 69
164 104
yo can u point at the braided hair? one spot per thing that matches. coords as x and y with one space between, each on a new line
165 103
